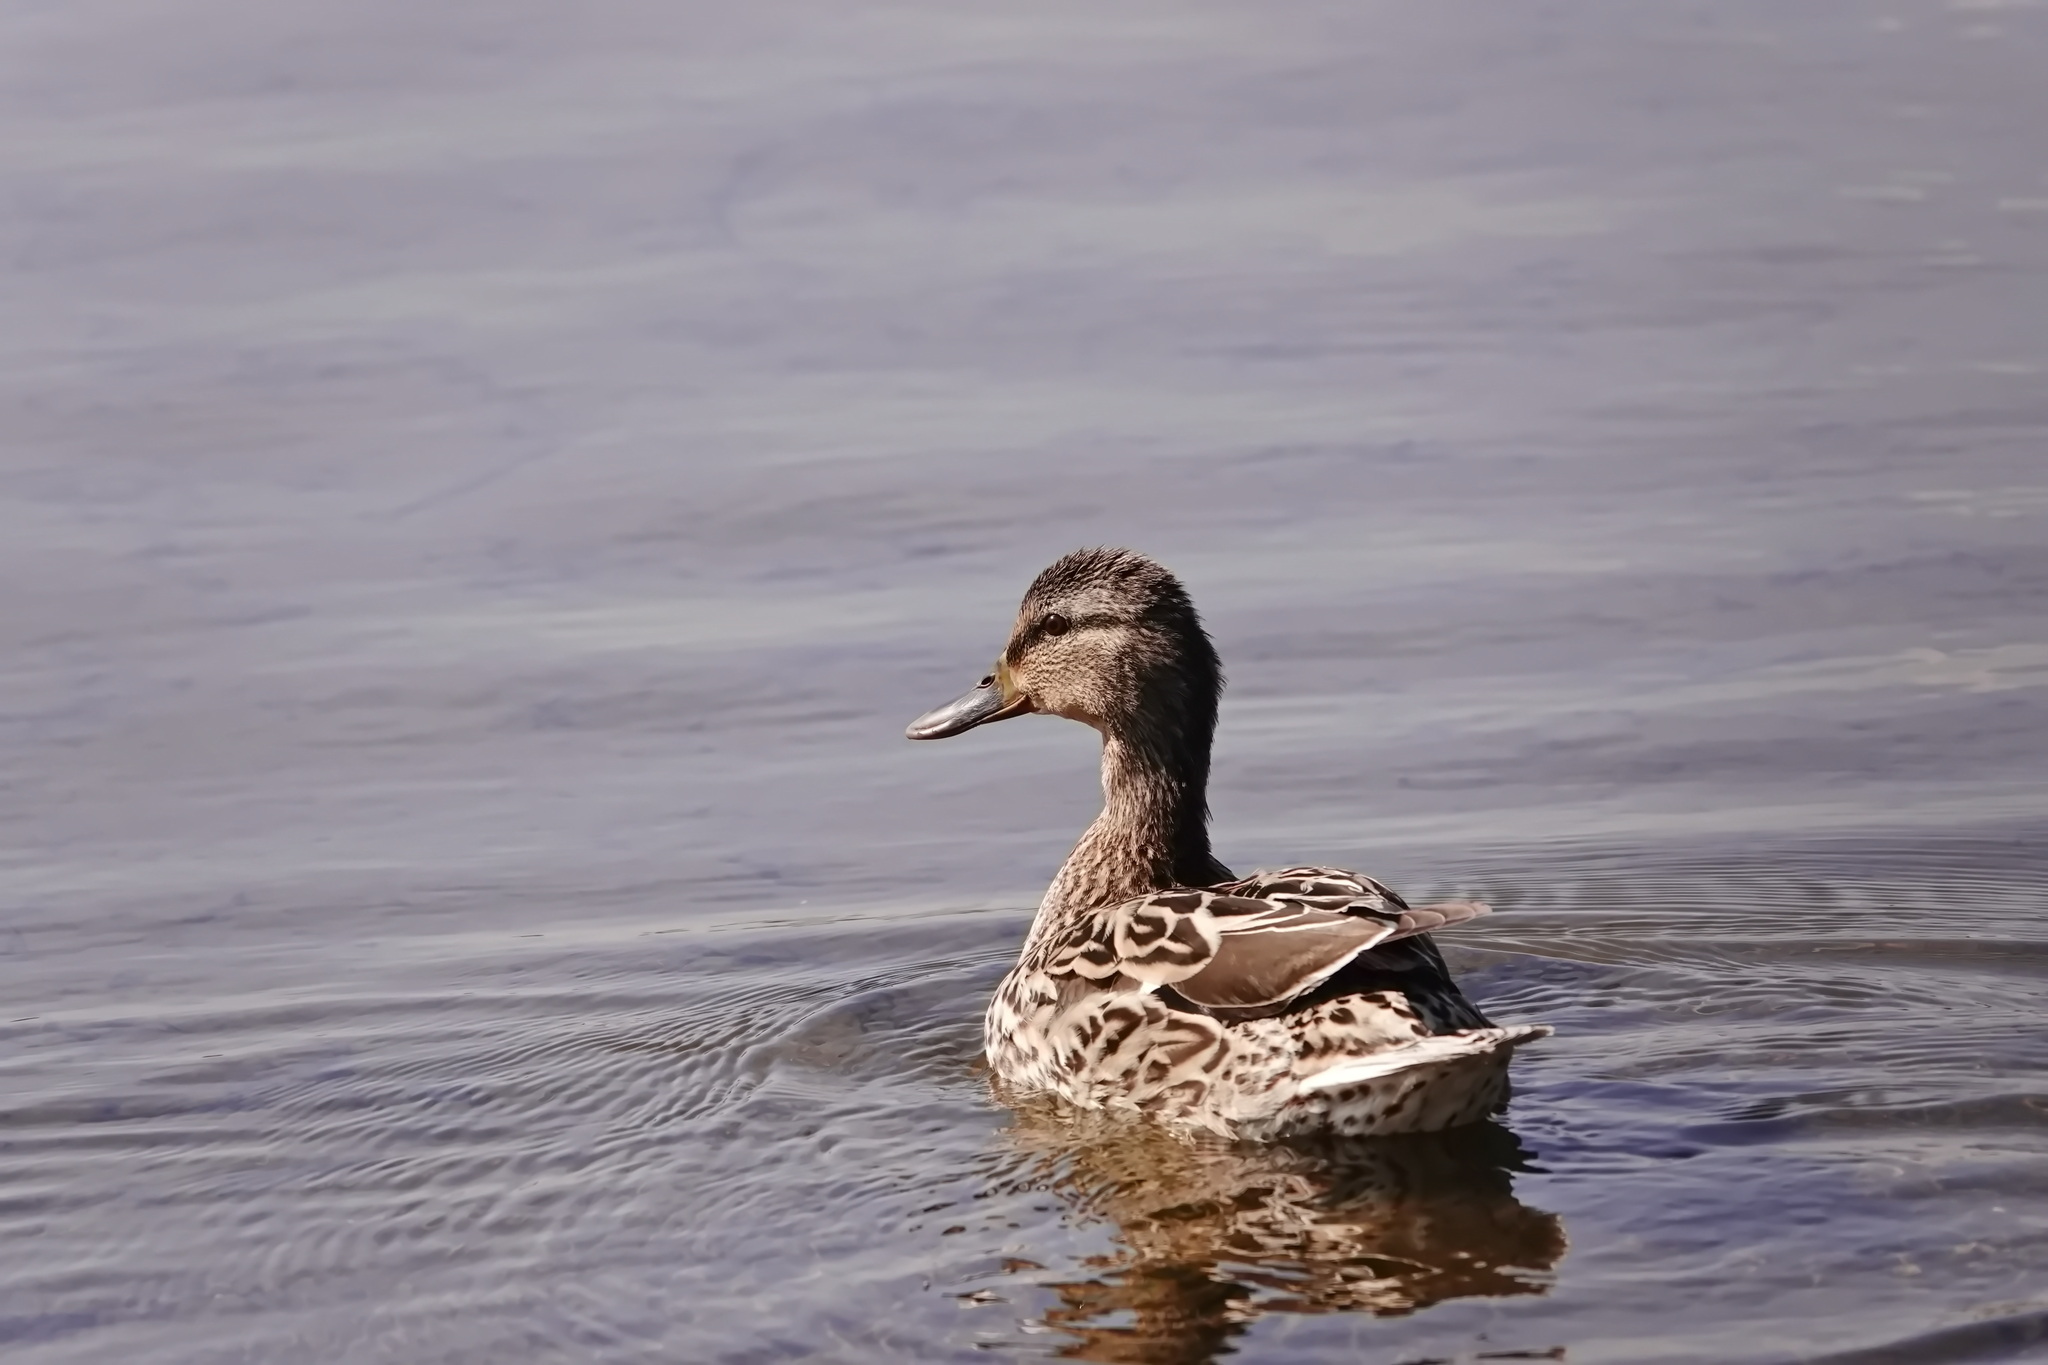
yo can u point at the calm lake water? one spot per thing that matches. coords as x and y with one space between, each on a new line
482 489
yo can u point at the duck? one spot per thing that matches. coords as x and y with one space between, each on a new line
1302 1001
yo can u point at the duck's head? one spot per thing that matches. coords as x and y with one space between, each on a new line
1106 637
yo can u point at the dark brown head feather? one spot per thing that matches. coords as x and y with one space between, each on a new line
1127 654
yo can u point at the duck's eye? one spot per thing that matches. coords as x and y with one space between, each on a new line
989 681
1057 624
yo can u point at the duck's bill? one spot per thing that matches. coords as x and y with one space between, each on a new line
985 705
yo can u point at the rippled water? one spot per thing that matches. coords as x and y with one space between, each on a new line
482 491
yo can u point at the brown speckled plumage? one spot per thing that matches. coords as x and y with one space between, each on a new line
1308 999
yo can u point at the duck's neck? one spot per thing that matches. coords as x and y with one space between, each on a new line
1153 831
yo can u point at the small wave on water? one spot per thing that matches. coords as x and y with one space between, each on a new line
1816 1072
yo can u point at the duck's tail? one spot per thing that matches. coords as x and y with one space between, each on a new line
1442 1081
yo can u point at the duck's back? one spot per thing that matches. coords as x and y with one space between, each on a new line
1301 1000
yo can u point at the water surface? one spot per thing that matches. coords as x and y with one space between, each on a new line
481 491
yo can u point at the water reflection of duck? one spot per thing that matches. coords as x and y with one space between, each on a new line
1215 1234
1298 1001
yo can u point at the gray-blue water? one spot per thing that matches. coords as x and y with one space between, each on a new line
482 489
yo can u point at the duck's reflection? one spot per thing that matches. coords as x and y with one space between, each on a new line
1214 1235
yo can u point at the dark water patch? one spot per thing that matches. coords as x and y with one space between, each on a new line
2020 1337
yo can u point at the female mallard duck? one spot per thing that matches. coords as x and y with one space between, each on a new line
1304 1000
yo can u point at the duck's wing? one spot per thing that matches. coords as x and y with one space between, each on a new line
1352 893
1223 951
1325 888
1269 952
